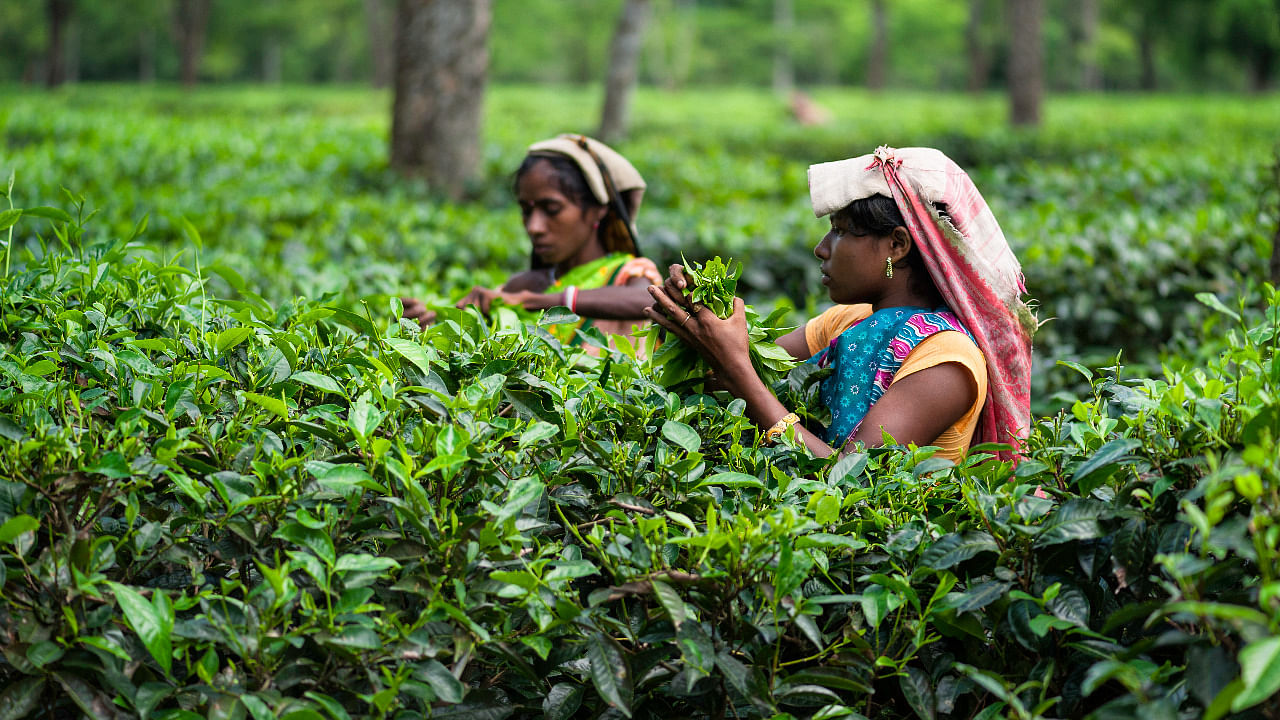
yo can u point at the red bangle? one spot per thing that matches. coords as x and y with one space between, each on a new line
571 298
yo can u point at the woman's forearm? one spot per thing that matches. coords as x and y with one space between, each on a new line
626 302
763 407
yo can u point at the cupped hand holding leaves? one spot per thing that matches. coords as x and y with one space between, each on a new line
718 339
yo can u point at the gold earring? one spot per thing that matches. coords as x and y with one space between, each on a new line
888 267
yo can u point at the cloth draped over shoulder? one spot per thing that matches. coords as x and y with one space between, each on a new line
866 357
968 258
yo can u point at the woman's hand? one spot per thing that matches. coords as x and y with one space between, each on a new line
483 297
414 309
722 343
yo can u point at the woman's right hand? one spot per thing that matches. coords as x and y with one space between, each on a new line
414 309
722 343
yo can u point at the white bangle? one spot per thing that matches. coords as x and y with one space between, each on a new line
571 298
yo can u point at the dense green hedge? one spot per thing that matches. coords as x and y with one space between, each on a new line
232 508
1121 207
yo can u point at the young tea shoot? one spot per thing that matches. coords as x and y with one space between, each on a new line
715 285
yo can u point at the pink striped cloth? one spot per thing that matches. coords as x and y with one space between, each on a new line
968 258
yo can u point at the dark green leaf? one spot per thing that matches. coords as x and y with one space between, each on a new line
20 698
918 692
610 673
447 687
562 701
951 550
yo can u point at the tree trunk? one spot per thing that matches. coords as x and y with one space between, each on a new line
73 51
1026 61
878 63
1275 244
784 22
1262 69
1147 55
378 23
59 12
624 62
190 23
147 55
1275 257
979 61
1090 74
272 61
441 59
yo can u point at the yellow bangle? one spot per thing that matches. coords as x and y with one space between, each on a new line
780 428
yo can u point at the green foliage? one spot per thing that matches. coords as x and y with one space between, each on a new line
714 285
229 508
1120 209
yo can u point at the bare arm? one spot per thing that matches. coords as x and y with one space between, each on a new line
917 409
619 302
796 344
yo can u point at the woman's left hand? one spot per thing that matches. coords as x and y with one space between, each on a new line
483 297
722 343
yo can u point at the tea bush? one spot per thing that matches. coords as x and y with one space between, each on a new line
1121 207
235 508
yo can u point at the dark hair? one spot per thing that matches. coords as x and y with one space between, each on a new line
568 177
879 215
572 184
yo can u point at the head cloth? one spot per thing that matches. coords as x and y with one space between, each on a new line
625 176
966 255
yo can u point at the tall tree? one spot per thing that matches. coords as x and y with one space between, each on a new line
441 60
976 47
1026 60
784 22
378 20
1090 73
190 27
878 62
1250 30
59 12
624 67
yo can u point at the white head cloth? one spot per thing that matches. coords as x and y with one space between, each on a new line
625 176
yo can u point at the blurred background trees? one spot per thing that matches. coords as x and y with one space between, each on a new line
1178 45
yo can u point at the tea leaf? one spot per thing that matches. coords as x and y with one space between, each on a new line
146 620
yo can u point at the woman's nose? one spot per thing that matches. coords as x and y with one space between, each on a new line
821 250
535 223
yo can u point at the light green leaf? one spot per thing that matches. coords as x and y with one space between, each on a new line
681 435
411 351
364 563
48 213
273 405
145 621
316 380
16 526
1260 671
232 337
732 479
538 432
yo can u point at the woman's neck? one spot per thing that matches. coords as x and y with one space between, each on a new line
904 294
590 252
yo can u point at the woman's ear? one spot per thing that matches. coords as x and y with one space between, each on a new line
596 214
900 243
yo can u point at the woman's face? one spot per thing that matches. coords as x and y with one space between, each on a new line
853 263
562 233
